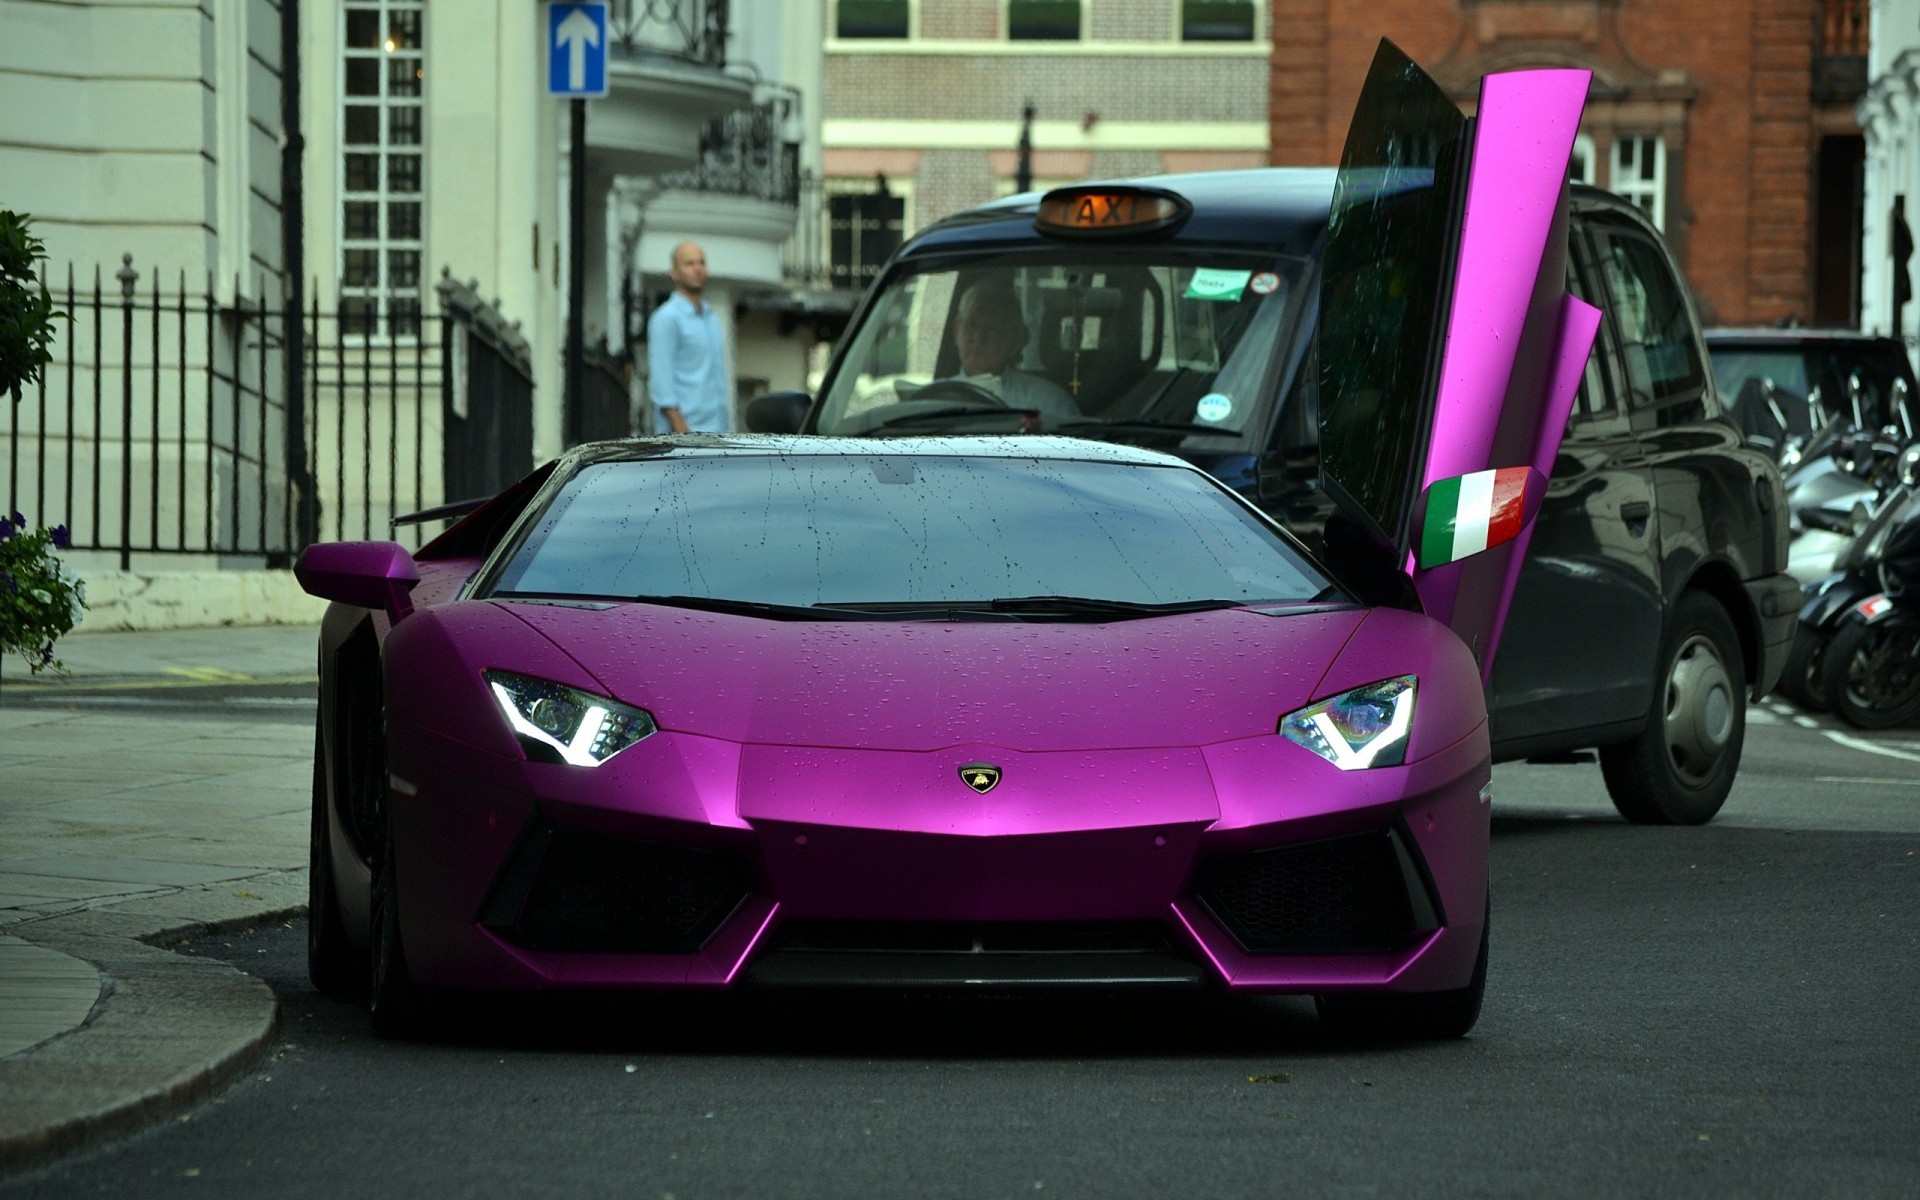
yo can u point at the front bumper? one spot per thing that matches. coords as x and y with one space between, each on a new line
1776 601
1249 865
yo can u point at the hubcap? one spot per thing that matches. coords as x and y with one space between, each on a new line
1699 710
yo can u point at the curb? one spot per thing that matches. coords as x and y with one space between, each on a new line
167 1030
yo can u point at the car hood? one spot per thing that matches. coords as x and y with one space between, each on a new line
1185 680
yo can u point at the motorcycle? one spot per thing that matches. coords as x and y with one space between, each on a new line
1835 477
1870 672
1863 534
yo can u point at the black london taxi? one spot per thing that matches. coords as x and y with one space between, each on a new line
1187 313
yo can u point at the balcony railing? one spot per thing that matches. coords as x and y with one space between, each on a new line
747 153
693 31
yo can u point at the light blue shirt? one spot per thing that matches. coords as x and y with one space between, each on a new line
687 364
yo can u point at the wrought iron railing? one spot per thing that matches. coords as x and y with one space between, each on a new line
747 153
168 422
689 30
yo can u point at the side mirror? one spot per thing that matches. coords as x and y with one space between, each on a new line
778 412
378 575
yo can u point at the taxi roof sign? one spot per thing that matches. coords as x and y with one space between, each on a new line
1109 211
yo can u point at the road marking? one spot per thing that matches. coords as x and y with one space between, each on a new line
1806 722
1854 743
210 674
1761 716
1867 779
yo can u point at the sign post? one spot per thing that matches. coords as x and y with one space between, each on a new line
576 60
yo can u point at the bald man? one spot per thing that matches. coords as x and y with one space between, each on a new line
687 352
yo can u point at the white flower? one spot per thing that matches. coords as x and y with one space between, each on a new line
43 595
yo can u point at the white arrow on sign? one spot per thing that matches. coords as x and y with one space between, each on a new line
577 32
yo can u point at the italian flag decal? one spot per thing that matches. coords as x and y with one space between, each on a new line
1468 513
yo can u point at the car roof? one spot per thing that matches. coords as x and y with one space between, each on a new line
1773 335
728 445
1278 208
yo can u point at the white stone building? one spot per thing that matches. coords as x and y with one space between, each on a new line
1890 118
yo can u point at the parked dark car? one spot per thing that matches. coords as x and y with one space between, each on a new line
1182 314
1811 377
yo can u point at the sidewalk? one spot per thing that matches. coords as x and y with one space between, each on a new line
117 825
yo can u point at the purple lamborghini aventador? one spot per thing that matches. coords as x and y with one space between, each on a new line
716 712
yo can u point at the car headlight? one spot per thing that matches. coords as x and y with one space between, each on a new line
557 723
1363 727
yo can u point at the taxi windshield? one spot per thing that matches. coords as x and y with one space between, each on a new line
1069 340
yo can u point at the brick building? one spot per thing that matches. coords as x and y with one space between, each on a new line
1730 121
928 94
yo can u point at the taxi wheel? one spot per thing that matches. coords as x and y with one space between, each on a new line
335 965
1411 1016
1680 768
399 1006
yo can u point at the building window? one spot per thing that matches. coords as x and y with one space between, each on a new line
1581 167
1640 174
866 222
1216 20
1043 20
382 131
872 19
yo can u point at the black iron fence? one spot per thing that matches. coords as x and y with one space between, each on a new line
690 30
748 153
172 422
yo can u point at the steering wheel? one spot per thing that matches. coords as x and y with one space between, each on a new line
962 391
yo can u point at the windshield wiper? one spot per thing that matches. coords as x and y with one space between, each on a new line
1093 604
745 608
1136 425
941 414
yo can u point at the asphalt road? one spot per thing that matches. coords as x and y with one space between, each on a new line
1730 1010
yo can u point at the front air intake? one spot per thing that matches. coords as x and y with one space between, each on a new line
574 890
1349 895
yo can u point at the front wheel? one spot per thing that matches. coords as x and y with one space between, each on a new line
399 1006
336 966
1872 672
1680 768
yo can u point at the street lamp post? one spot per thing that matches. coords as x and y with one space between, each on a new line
1023 172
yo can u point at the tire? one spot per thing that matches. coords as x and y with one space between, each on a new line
1680 768
1872 672
400 1008
1800 680
1410 1016
336 966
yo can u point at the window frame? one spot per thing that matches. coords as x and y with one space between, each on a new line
832 186
1694 402
912 31
1080 22
1648 195
378 324
1254 31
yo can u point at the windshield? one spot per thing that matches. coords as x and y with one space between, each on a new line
809 529
1060 338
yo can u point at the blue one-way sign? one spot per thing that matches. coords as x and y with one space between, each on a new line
577 49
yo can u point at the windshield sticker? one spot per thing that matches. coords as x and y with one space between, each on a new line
1266 283
1214 407
1211 284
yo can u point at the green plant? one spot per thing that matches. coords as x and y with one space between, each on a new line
26 311
39 601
